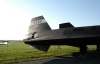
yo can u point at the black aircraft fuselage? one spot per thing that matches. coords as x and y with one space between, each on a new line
89 35
41 36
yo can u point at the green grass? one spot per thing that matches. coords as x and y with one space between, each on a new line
20 52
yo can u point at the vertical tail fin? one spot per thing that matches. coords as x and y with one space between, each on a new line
38 24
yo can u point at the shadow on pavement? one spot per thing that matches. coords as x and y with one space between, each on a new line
92 57
73 60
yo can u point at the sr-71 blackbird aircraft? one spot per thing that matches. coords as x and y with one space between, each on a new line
41 36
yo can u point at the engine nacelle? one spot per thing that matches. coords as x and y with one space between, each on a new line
65 25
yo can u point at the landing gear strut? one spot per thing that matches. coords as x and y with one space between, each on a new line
83 49
98 48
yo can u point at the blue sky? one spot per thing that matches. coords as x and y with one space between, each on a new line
77 12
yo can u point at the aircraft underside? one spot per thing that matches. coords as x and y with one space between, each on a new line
67 41
44 45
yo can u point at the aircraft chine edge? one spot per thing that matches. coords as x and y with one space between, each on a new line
41 36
